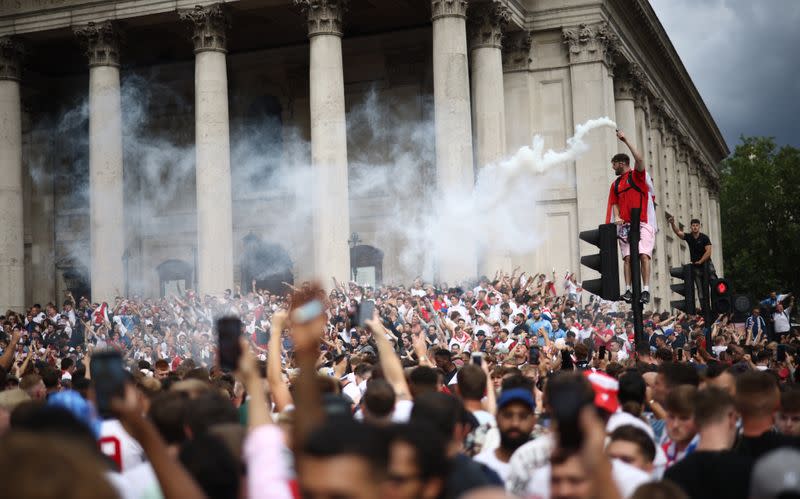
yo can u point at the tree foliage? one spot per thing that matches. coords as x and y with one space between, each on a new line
760 217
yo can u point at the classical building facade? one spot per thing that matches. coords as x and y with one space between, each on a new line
140 139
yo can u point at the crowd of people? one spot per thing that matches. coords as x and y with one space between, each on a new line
517 386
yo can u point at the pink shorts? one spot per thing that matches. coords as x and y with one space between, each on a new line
647 240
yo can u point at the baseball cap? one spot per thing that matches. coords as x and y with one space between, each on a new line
776 474
606 390
516 395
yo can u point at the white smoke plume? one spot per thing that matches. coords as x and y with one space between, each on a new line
391 163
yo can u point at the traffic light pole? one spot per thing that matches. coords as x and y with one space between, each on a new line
636 276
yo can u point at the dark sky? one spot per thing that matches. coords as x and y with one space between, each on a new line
744 58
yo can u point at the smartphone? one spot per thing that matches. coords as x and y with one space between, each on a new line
680 354
109 377
566 360
477 358
307 312
781 353
365 312
601 352
566 403
693 351
229 329
534 355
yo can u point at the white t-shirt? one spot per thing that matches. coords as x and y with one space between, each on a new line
117 444
781 321
139 482
489 458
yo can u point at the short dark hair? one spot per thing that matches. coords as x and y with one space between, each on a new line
756 394
679 374
710 405
442 411
790 400
681 400
424 377
621 158
379 398
694 221
212 465
429 448
635 435
345 437
167 411
471 382
207 410
50 376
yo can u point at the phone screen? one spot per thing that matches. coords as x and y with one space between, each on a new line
566 360
229 330
534 355
781 353
601 352
477 359
365 311
109 376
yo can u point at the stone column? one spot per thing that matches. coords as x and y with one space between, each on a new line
106 211
682 170
716 242
669 142
331 216
12 233
516 91
625 110
518 104
453 125
486 22
590 49
212 149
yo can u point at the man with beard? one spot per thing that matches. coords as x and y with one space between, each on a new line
515 421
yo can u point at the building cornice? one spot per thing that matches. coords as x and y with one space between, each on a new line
673 79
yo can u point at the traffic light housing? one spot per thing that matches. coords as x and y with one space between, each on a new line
605 262
721 297
685 289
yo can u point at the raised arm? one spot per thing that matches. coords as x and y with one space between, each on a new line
678 232
392 368
637 156
280 392
7 359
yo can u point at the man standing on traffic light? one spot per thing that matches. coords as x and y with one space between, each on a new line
699 252
632 189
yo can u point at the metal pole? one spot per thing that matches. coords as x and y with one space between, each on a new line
636 273
705 304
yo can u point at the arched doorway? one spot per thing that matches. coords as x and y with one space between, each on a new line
367 264
268 264
175 277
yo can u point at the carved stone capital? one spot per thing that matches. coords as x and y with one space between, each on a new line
669 138
590 43
102 43
681 152
11 53
641 98
324 16
624 84
517 51
448 8
210 25
486 22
